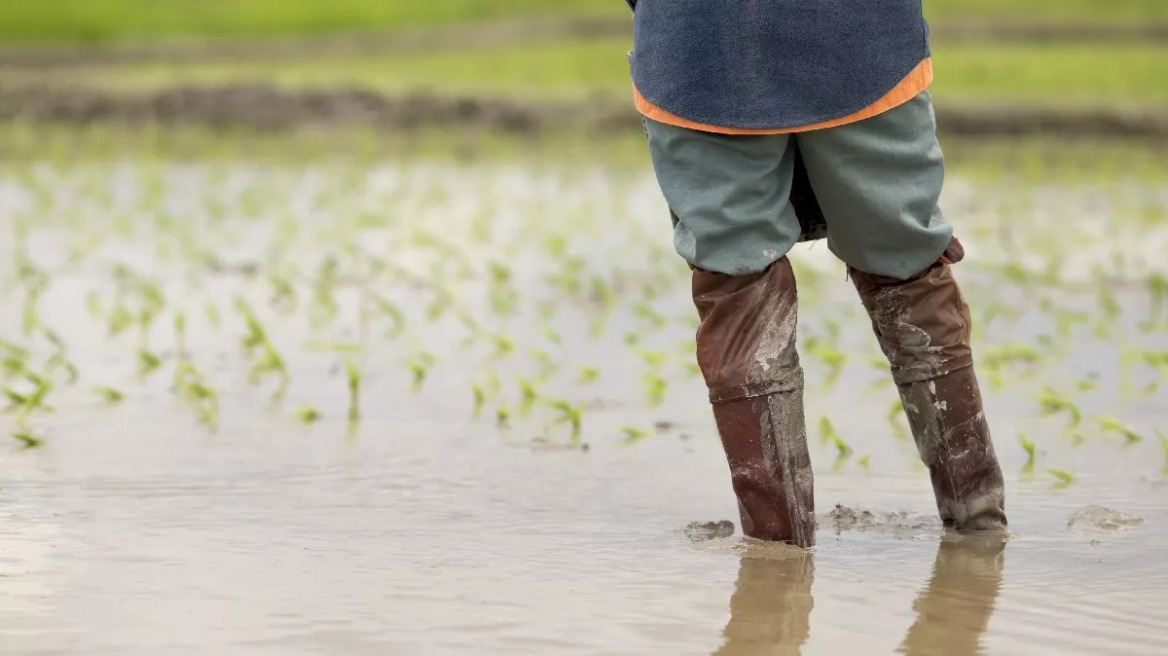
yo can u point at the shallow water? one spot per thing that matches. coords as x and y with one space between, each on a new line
421 529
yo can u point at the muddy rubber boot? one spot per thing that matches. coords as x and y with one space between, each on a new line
923 326
746 351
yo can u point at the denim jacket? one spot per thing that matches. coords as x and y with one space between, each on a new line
773 63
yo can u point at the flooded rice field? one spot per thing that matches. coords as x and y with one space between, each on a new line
423 407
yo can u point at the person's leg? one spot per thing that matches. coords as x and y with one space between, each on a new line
878 182
733 223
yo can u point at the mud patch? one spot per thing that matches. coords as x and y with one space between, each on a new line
1097 519
269 107
702 531
842 519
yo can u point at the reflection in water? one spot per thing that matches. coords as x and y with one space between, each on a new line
770 611
955 607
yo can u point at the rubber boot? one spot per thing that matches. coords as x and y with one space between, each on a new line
746 352
923 326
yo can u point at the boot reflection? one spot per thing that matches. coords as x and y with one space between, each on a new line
770 611
955 607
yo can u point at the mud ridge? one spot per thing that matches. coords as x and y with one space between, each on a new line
508 32
269 107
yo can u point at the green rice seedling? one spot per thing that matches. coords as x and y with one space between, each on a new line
12 365
1053 403
527 397
307 414
270 362
1157 285
480 399
502 416
843 449
256 336
397 318
1108 303
554 337
28 439
693 369
192 387
420 365
1113 425
655 388
570 414
443 301
108 394
827 432
93 303
30 317
120 318
632 339
331 346
864 462
284 298
834 358
324 308
844 453
15 399
1164 444
1065 478
1158 360
493 385
353 378
634 434
14 350
180 333
25 404
895 414
1030 449
654 359
211 314
148 362
1066 320
473 328
1009 354
60 361
1087 384
503 344
588 375
644 310
547 366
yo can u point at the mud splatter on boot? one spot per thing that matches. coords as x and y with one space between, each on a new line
746 351
923 326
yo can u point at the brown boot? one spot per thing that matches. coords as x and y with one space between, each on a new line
923 327
746 351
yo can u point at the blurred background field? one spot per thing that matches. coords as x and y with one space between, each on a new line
110 21
1079 68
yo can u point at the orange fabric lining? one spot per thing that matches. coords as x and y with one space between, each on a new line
915 82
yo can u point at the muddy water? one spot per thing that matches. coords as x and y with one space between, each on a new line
422 529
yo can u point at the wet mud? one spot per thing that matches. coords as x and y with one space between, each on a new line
272 108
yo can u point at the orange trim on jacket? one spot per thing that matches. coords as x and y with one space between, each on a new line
915 82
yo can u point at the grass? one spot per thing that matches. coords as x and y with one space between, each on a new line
104 21
585 69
